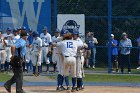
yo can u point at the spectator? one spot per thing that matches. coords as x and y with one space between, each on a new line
125 47
114 53
87 51
93 43
138 44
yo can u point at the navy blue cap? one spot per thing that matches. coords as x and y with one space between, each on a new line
75 32
62 32
66 31
0 30
15 30
23 28
45 28
30 30
35 34
57 31
24 34
9 29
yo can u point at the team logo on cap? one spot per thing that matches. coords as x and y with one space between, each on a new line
70 25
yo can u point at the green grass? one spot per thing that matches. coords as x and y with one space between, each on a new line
111 78
108 78
4 77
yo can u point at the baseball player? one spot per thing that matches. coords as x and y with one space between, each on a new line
8 42
2 52
60 63
28 50
15 36
36 54
55 54
46 40
69 50
79 61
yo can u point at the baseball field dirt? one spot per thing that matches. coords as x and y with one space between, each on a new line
88 89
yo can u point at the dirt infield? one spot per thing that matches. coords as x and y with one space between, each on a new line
88 89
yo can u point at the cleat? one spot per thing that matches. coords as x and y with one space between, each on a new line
58 89
138 67
8 88
73 89
62 88
68 88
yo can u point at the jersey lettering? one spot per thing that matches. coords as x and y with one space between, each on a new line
69 44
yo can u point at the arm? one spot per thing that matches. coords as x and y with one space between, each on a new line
95 40
40 45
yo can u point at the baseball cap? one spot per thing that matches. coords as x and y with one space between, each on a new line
0 30
45 28
9 29
23 34
62 32
30 30
66 31
23 28
75 32
57 31
35 34
112 35
15 30
124 34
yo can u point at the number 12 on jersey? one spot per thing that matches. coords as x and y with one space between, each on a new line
69 44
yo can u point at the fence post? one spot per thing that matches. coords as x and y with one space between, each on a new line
109 35
55 14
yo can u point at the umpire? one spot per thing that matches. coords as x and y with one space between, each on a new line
18 50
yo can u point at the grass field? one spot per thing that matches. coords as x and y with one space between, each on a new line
4 77
97 77
111 78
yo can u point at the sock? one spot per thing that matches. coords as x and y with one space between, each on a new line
48 67
2 66
27 65
54 67
41 66
39 69
78 82
34 68
59 80
67 81
30 65
81 82
5 66
62 80
74 81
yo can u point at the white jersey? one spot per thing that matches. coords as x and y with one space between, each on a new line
1 43
37 43
6 35
15 38
46 39
55 39
9 40
69 47
79 50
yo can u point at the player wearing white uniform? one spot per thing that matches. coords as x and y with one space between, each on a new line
28 50
2 52
15 36
60 63
36 54
55 52
69 50
9 42
46 40
79 61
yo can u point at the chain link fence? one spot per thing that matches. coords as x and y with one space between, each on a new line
125 18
